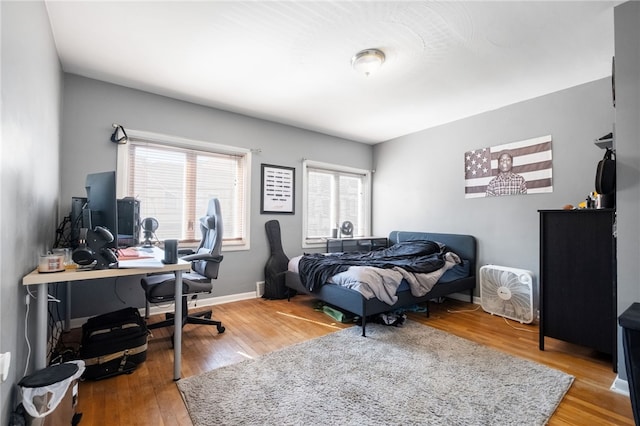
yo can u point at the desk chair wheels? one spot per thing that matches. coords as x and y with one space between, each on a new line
206 315
193 319
197 318
187 318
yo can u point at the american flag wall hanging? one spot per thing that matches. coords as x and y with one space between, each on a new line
514 168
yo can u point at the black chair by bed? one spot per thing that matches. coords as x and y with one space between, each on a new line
205 262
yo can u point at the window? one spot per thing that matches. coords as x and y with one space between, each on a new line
332 195
174 179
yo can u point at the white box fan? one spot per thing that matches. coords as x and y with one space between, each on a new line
507 292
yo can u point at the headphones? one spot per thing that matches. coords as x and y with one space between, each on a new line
92 248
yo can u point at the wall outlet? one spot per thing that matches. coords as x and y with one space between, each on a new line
5 361
259 288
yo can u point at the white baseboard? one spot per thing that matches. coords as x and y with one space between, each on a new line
211 301
620 386
463 297
161 309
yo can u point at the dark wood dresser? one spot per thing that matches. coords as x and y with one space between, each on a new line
578 278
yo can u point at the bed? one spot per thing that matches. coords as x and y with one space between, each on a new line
460 277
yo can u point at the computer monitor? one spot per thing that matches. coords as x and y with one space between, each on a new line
102 204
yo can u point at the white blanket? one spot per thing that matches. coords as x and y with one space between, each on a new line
383 283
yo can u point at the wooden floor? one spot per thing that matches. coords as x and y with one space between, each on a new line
149 396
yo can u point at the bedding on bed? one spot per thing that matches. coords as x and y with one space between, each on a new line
383 283
379 273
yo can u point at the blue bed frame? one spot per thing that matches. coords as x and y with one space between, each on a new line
352 301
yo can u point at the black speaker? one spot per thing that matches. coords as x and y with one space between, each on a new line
128 222
170 251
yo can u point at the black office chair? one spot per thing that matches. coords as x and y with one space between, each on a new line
205 263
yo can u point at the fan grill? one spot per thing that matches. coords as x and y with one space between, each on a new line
507 292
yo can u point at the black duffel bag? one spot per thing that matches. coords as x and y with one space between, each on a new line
113 343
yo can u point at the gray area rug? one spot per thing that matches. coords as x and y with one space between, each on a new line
414 375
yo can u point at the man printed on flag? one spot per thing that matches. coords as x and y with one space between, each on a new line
507 182
530 159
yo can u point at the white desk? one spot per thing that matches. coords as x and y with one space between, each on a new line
42 280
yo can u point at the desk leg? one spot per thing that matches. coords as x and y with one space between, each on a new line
40 350
67 311
177 328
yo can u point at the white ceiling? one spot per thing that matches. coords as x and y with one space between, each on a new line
289 61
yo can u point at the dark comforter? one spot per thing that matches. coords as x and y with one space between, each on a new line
413 256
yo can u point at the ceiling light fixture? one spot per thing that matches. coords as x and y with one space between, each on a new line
368 61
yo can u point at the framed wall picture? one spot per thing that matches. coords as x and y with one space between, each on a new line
278 189
515 168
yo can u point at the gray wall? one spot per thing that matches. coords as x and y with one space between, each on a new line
627 38
91 106
29 182
424 173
